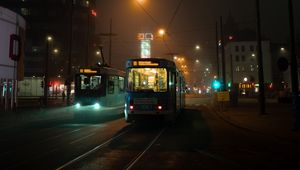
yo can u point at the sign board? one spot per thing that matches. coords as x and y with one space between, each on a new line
223 96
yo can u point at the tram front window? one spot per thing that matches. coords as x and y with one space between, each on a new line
89 82
147 79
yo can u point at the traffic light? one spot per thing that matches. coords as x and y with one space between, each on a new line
42 84
216 84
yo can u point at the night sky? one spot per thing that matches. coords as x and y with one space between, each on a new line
193 24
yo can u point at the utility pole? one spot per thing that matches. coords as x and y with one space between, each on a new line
46 77
69 76
110 34
262 99
294 68
223 55
217 51
87 38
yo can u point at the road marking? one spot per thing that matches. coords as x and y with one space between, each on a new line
80 139
133 162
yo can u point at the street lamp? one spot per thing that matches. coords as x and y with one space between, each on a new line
161 32
55 50
48 41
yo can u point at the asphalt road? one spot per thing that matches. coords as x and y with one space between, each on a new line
198 140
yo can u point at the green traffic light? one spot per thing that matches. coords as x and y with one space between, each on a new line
216 84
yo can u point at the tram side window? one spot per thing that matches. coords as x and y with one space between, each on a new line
112 83
121 84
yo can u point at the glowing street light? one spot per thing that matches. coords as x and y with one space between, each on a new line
197 47
55 50
161 32
49 38
141 1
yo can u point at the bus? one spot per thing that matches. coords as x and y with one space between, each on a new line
99 90
154 87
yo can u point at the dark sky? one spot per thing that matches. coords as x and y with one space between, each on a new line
193 24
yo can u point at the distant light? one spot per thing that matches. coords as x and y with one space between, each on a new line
216 84
131 107
282 49
207 69
197 61
159 107
94 13
175 57
161 32
49 38
96 105
197 47
245 79
97 52
230 37
253 55
55 50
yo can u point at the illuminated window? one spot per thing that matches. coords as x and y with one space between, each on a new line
147 79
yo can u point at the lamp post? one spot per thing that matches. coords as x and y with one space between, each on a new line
294 68
262 99
46 80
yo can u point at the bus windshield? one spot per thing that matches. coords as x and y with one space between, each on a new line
88 82
147 79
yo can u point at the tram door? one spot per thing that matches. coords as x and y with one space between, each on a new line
172 88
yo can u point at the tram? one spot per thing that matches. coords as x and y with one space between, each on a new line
98 90
154 87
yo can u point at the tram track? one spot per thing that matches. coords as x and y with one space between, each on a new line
132 159
49 147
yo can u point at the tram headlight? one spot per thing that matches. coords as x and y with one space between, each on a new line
96 106
77 105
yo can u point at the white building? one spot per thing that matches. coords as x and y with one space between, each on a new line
12 33
241 62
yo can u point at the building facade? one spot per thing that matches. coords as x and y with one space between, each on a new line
71 23
242 66
12 28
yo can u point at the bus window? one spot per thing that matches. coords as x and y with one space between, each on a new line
147 79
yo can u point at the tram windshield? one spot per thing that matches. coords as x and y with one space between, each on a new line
88 82
147 79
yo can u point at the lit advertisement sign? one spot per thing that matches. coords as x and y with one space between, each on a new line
86 70
145 63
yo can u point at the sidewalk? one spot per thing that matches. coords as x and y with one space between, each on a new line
30 112
278 120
